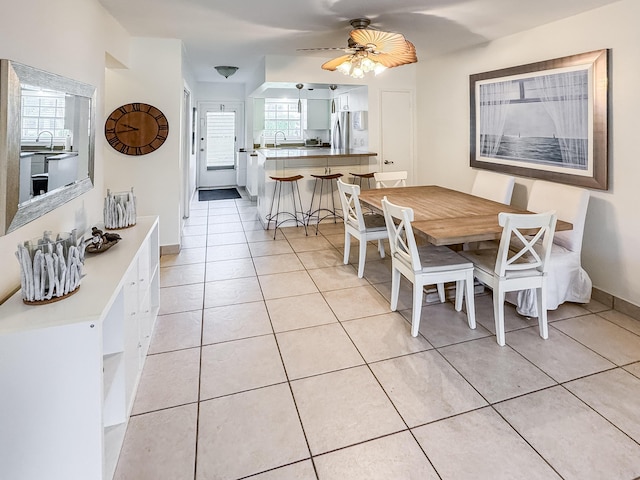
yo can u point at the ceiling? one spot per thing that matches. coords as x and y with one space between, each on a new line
240 33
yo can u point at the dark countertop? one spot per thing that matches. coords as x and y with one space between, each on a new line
311 152
62 156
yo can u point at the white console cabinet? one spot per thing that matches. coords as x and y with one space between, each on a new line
69 370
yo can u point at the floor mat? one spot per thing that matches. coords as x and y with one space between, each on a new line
218 194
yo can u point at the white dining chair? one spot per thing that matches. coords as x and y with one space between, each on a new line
390 179
493 186
424 265
356 224
520 262
567 281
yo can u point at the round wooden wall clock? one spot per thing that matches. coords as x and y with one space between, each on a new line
136 129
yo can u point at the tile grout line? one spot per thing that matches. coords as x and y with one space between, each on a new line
492 405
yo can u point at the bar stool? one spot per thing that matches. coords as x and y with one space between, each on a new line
359 176
40 183
331 212
277 190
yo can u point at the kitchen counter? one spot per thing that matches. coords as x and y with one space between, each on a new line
311 152
306 161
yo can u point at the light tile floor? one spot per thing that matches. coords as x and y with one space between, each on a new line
272 360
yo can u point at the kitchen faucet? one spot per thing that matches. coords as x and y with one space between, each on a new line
46 131
275 138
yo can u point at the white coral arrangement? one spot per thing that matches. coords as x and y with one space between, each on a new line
50 269
119 209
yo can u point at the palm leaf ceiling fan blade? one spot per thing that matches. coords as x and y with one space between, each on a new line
396 59
333 64
343 49
383 42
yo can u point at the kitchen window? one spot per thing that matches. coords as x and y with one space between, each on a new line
281 115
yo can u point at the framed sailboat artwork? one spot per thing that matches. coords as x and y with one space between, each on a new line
545 120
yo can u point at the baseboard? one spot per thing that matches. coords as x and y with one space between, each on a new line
602 297
627 308
169 249
616 303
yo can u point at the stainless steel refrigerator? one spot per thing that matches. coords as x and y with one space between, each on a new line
341 130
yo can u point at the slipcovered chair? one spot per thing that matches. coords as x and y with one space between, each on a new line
567 280
493 186
424 265
521 261
390 179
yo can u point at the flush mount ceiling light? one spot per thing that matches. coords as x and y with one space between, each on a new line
370 51
225 70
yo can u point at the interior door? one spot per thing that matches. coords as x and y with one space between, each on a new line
221 126
396 137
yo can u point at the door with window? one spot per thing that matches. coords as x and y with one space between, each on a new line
221 127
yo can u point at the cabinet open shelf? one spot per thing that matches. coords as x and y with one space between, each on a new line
72 367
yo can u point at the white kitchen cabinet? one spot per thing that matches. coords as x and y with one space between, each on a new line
258 114
69 370
343 102
318 115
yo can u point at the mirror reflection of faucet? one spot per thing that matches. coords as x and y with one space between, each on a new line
51 141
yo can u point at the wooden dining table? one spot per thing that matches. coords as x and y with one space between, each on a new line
447 217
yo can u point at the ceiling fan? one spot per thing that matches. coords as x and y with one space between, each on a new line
370 50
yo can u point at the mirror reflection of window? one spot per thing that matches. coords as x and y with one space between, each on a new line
44 117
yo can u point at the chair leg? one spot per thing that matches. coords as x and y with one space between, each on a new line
471 301
541 300
381 248
273 199
319 204
440 288
347 246
395 288
459 294
362 257
333 202
295 211
417 310
498 314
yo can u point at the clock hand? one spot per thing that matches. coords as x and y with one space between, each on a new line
132 128
128 130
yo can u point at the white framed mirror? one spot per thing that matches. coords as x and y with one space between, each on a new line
47 142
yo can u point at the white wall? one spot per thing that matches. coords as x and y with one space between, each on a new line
610 249
33 33
153 76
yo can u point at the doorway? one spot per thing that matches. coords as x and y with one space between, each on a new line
221 125
396 136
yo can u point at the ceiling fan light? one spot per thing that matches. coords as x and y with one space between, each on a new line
344 67
357 72
367 64
378 69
